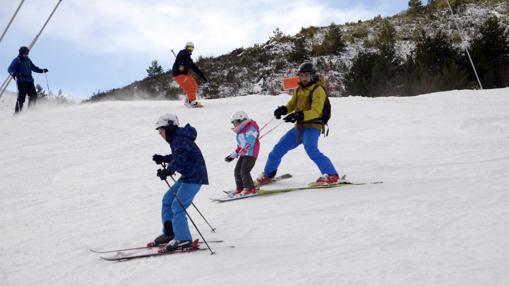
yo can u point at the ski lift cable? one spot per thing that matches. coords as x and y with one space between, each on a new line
10 22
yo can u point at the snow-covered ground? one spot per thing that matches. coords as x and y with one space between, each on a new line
80 177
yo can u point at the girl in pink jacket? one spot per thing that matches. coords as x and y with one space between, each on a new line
248 147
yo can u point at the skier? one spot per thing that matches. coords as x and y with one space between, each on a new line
21 71
305 110
187 159
180 72
247 150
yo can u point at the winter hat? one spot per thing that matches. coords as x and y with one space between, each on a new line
23 50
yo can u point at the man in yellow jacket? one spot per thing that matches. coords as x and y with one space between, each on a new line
305 110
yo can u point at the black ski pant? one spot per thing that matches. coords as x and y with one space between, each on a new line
243 178
24 89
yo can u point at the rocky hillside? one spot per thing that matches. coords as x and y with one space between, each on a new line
260 69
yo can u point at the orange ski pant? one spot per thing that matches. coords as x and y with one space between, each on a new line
188 84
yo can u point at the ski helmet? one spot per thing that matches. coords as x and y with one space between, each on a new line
307 67
23 50
239 116
189 45
167 120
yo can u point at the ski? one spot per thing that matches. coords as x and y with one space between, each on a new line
275 179
311 186
120 257
230 198
314 186
142 247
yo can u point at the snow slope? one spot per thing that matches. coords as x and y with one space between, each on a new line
80 177
7 104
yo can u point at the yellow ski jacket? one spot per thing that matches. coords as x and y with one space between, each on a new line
312 107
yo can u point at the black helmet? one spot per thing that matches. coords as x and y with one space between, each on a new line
307 67
23 50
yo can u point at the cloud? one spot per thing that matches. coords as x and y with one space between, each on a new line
99 26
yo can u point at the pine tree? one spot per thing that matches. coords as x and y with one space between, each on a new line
386 40
40 91
154 69
490 53
358 80
299 52
333 42
434 52
415 7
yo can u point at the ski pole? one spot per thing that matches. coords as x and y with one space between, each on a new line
187 214
270 130
47 84
213 229
265 125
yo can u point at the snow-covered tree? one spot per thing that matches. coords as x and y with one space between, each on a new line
154 69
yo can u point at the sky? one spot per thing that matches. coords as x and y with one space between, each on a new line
99 45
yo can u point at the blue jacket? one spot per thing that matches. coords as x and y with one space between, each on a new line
186 157
184 59
22 69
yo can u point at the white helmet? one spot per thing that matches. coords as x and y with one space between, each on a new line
168 119
239 116
189 44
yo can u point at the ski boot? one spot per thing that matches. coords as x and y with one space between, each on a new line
236 192
162 239
177 245
192 104
263 179
326 179
247 191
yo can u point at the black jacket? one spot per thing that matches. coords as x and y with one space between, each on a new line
184 59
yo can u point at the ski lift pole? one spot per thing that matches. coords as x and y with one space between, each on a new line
466 48
187 214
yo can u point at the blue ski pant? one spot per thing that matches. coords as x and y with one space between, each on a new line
173 208
291 140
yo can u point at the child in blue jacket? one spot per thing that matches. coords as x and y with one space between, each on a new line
186 159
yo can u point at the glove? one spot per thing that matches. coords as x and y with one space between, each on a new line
293 117
159 159
163 173
205 79
231 157
45 70
280 111
14 76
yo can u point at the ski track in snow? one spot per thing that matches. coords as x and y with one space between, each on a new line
80 177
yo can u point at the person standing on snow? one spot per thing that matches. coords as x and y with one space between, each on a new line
186 159
180 72
248 147
305 110
21 71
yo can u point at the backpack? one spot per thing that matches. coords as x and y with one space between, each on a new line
327 109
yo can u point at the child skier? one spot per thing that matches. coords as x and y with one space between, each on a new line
247 150
186 158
